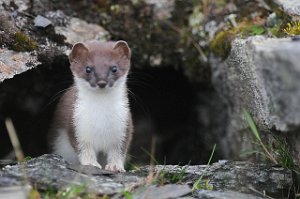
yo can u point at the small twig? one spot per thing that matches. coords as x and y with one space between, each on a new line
17 147
153 144
151 175
268 153
260 193
14 139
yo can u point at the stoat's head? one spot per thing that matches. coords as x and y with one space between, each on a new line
100 65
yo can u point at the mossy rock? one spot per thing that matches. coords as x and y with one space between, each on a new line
221 45
22 42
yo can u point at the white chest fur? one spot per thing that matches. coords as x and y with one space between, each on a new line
100 117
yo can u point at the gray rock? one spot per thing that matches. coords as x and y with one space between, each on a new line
13 63
56 43
78 31
162 192
291 7
22 5
51 171
261 75
40 21
242 177
206 194
162 8
7 181
15 192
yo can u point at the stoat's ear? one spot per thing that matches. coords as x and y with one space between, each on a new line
78 52
123 48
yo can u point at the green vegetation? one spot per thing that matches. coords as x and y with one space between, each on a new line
27 158
204 183
164 177
72 191
292 28
278 152
221 43
127 195
22 42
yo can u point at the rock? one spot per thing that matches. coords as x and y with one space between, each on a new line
51 171
162 9
21 5
261 75
7 162
89 170
40 21
8 182
242 177
227 178
291 7
207 194
19 192
13 63
18 36
78 31
162 192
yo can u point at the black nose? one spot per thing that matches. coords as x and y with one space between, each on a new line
102 83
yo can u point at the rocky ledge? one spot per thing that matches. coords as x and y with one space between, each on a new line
224 179
29 39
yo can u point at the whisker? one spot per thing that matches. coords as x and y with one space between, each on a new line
139 101
56 96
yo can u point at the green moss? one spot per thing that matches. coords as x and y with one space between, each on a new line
292 28
22 42
221 44
276 30
254 30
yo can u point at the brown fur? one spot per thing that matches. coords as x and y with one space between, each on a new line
101 56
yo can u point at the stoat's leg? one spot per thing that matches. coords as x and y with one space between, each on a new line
87 155
115 159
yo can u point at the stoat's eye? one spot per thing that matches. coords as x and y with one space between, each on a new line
88 69
114 69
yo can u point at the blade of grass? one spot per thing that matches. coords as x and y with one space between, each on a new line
255 132
150 155
251 124
196 184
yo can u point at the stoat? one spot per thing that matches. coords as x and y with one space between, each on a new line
93 116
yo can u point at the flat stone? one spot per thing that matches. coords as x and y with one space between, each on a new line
40 21
78 31
242 177
207 194
8 181
13 63
226 178
7 162
162 192
13 192
51 171
90 170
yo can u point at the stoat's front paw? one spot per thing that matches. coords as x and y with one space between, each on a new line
96 164
115 167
